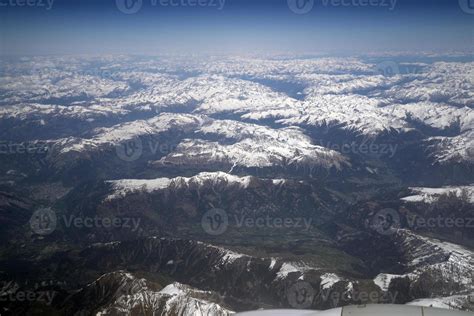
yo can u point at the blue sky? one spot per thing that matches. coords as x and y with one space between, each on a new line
241 26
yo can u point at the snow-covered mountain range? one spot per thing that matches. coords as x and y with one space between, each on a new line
299 156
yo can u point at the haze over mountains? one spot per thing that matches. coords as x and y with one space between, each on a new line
188 184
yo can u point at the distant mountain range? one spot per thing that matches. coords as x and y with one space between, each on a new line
213 185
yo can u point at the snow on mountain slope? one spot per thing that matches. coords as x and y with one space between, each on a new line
254 145
435 115
383 280
454 149
354 112
174 299
57 85
43 114
211 94
443 261
121 187
441 82
430 195
334 92
260 67
122 293
250 153
450 302
111 136
343 83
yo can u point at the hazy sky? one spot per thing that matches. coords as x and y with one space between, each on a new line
234 26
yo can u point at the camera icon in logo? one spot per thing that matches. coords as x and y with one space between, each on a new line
301 6
215 222
386 222
388 68
43 221
130 150
301 295
129 6
467 6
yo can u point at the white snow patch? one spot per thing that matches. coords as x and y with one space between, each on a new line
383 280
431 195
328 280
